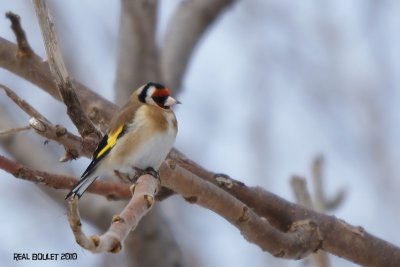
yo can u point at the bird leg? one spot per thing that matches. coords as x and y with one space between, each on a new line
149 170
124 177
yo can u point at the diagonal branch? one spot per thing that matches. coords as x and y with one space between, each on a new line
37 71
74 146
25 106
60 74
299 241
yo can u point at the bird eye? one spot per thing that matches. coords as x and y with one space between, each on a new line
160 100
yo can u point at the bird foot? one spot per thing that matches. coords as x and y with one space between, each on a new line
124 177
149 170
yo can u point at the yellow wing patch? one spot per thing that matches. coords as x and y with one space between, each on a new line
111 140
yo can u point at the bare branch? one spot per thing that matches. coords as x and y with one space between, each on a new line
25 106
186 27
137 57
141 202
302 238
299 186
337 235
37 71
74 146
14 130
108 189
303 197
321 202
60 74
24 49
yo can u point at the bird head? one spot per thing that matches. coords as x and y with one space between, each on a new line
156 94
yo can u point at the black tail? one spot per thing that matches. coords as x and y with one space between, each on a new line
81 186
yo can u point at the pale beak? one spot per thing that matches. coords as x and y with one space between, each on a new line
171 101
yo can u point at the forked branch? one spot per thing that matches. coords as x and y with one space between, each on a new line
143 196
60 74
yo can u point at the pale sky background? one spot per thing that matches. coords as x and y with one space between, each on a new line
270 86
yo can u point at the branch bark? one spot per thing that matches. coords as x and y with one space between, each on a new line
60 73
303 197
37 71
74 146
299 241
142 201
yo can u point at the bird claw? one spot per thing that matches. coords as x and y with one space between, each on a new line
149 170
124 176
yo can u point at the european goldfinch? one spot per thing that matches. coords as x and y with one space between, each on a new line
139 137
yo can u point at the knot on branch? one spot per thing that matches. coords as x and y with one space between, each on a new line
245 215
37 125
141 202
224 180
307 239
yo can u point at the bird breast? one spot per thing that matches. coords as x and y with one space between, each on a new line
148 140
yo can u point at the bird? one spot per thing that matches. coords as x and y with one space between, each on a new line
138 140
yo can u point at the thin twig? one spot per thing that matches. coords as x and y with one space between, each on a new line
60 74
322 203
25 106
37 71
24 49
142 201
108 189
14 130
299 187
74 146
303 197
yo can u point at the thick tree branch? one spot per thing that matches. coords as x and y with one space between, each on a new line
302 238
339 238
60 74
186 27
142 201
